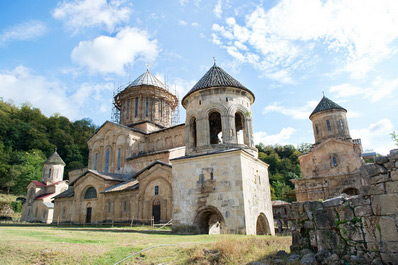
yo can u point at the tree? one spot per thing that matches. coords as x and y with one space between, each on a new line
394 137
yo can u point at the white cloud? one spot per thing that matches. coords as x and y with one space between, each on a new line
376 136
25 31
218 9
298 113
280 138
182 23
111 54
380 89
195 24
22 85
80 14
284 38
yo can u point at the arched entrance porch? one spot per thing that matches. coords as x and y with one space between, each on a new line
209 221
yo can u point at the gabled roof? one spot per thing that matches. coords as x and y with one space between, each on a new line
55 159
44 196
42 184
326 104
105 176
132 183
70 192
116 124
216 77
147 79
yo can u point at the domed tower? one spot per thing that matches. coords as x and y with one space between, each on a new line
53 169
218 115
146 100
329 121
332 165
220 186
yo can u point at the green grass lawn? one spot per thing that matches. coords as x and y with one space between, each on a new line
95 245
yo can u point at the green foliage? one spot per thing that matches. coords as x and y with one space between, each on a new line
283 167
16 206
27 138
394 137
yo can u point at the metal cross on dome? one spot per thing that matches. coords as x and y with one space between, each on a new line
214 58
148 66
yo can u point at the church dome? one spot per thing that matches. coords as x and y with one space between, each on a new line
216 77
326 104
55 159
147 79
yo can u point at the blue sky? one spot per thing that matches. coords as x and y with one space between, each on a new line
69 56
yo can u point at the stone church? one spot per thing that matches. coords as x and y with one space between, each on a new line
39 206
204 173
332 165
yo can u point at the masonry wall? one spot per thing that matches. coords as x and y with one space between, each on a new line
365 225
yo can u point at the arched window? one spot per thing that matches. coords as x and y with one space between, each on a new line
106 169
127 109
193 132
334 161
95 161
328 124
109 206
341 124
118 159
215 128
316 129
146 106
91 193
49 173
239 127
124 206
136 107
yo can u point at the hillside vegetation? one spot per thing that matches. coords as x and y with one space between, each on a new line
27 138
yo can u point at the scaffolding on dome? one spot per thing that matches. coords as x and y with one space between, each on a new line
175 117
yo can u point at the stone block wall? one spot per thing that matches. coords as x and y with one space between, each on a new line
365 225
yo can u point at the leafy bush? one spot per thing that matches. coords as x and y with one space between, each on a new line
16 206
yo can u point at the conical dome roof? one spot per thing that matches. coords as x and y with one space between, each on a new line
148 79
55 159
216 77
326 104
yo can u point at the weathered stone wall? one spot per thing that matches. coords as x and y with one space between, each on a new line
359 226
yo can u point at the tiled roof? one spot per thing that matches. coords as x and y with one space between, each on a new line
42 184
55 159
132 183
326 104
44 196
217 77
70 192
105 176
148 79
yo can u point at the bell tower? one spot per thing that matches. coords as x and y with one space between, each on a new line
53 169
218 115
329 121
220 186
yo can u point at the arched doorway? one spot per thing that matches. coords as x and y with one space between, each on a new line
351 191
156 211
262 225
209 221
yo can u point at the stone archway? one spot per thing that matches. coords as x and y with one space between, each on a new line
209 221
262 225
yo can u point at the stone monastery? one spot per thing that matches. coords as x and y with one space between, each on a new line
204 173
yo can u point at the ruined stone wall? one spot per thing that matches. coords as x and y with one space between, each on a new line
359 226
